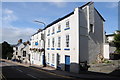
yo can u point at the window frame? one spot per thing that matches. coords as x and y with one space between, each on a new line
59 41
68 40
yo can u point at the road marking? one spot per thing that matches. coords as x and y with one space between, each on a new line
40 70
51 73
19 70
4 77
32 76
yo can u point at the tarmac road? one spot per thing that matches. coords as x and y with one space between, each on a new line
12 71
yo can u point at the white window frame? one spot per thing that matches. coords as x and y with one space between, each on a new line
53 58
53 42
59 41
68 40
48 42
59 27
67 24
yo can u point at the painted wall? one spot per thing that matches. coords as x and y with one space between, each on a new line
36 57
73 48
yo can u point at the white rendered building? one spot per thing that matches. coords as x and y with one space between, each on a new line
21 52
73 39
37 48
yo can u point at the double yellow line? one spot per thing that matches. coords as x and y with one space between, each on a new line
51 73
41 71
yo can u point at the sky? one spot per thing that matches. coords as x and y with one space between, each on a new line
18 17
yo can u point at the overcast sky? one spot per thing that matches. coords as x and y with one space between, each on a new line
18 17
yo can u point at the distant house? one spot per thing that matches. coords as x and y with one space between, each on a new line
21 52
110 39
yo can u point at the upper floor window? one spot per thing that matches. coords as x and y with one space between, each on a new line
16 53
48 31
53 30
24 53
59 27
16 48
53 42
67 40
91 28
59 39
67 24
48 42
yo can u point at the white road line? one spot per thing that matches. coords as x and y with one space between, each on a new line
32 76
19 70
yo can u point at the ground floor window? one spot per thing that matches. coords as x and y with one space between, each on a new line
24 53
39 57
53 58
48 57
58 59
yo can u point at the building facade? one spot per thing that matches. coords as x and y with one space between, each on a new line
74 39
37 48
21 52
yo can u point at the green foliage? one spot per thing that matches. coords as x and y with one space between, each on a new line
117 42
7 50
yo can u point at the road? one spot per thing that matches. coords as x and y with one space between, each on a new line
12 71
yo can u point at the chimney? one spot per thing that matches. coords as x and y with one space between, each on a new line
28 42
20 41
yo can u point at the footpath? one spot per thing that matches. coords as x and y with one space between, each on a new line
82 75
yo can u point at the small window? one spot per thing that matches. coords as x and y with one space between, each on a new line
16 48
53 58
16 53
53 42
48 42
53 30
24 53
58 59
48 31
48 57
67 40
91 28
59 27
59 39
67 24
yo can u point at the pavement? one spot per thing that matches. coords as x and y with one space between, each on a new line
69 75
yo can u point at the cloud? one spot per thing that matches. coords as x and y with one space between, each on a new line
59 4
8 16
12 33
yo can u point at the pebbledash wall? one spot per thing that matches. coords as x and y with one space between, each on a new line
75 38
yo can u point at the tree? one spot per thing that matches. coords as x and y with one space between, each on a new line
7 50
117 42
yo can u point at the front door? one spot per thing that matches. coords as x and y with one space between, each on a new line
67 63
